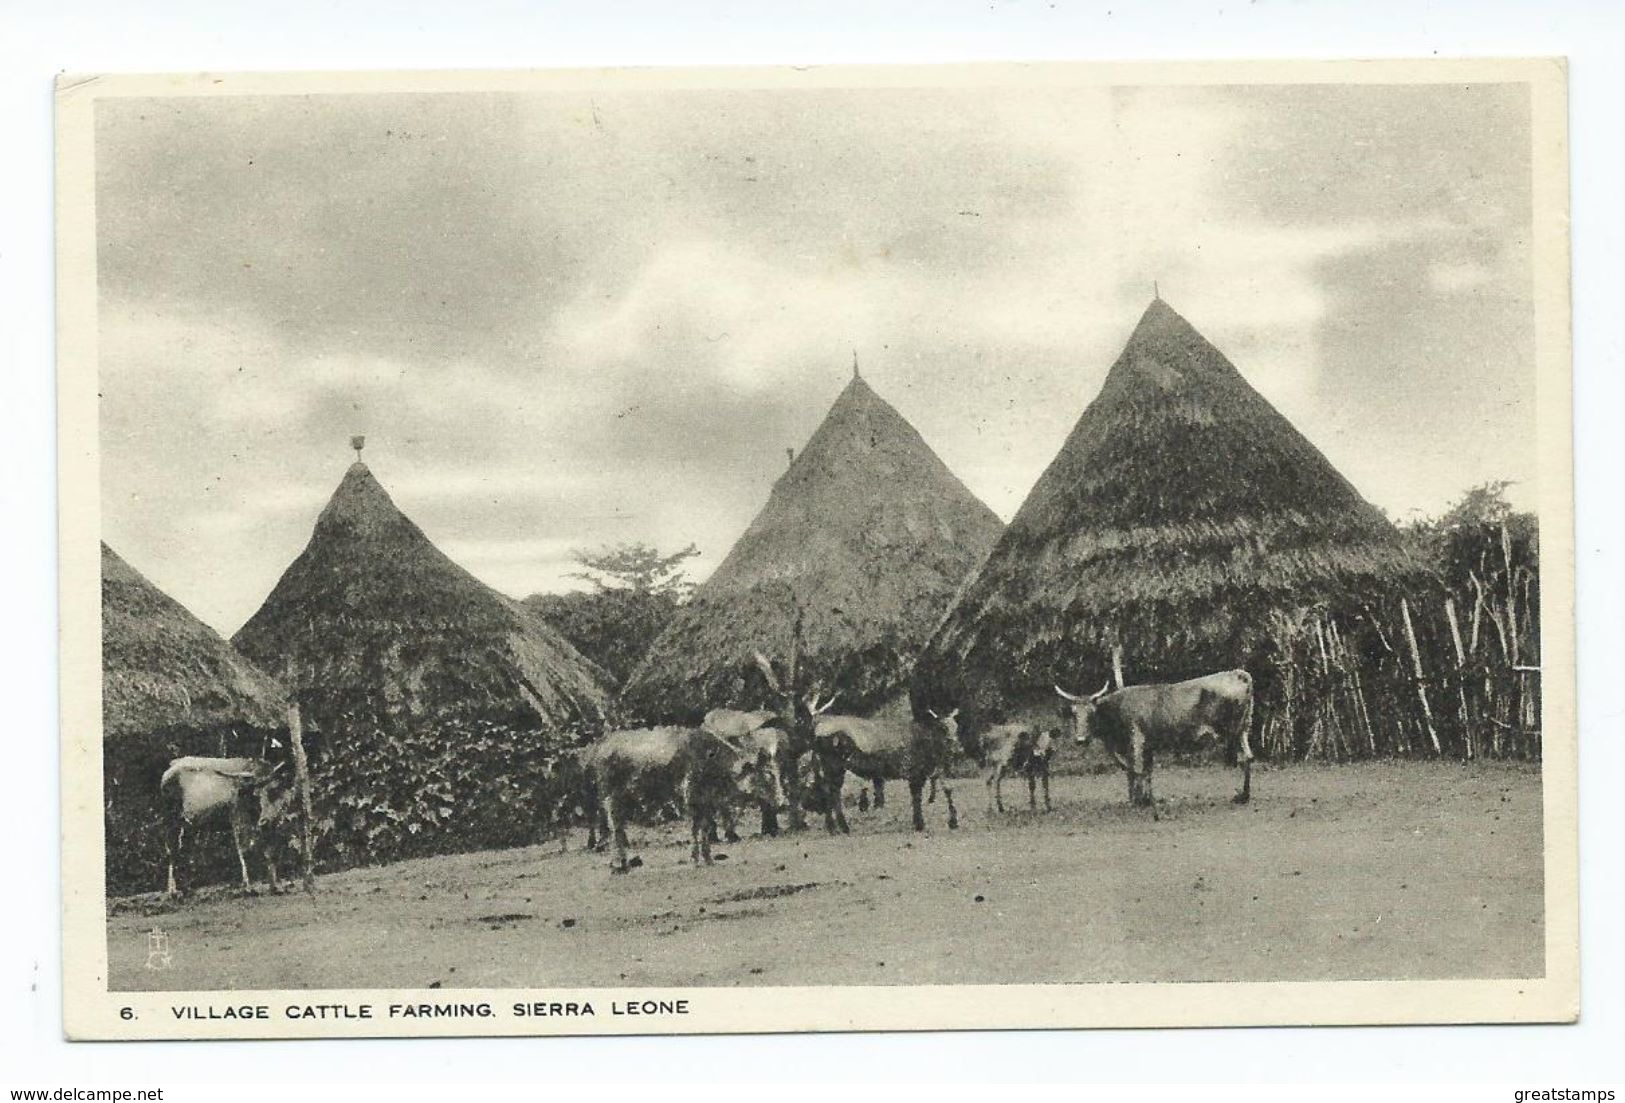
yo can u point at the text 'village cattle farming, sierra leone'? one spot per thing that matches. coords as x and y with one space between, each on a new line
1189 585
815 530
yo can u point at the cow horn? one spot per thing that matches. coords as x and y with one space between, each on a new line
1105 689
952 714
767 672
932 713
1068 696
819 710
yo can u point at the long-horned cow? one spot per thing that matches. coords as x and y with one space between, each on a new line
796 720
1135 723
781 746
197 791
705 772
878 750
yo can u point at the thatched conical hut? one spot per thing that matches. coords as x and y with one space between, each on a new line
867 532
170 686
439 698
1185 523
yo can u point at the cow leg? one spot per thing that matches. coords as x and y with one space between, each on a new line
932 799
948 795
617 829
770 819
916 789
880 792
1032 792
270 870
730 823
1047 806
700 838
863 799
1139 771
998 787
174 837
794 791
987 783
1246 756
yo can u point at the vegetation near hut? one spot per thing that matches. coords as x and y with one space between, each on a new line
865 538
170 687
636 590
440 700
1187 527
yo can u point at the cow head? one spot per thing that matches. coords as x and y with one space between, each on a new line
750 769
798 714
947 721
257 773
1080 712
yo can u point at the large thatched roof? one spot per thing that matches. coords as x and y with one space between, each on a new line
868 531
163 670
372 619
1179 516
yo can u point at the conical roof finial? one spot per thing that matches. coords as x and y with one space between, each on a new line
855 374
1155 294
358 442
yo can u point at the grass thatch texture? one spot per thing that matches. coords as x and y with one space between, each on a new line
1182 516
868 532
439 700
163 670
170 687
373 618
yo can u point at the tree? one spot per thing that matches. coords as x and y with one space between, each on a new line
635 591
637 567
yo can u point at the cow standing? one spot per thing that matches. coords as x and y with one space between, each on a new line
705 772
198 791
571 797
1134 723
916 751
1022 749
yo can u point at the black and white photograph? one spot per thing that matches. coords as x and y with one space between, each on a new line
594 552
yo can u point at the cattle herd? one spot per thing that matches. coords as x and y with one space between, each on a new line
794 758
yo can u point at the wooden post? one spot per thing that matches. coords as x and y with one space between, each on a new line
301 780
1117 664
1421 687
1461 674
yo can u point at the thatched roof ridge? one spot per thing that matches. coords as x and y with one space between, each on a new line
1181 510
163 670
868 531
372 610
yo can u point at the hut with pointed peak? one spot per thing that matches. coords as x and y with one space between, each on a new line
1185 526
863 542
440 700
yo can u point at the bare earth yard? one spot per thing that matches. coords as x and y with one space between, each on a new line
1387 870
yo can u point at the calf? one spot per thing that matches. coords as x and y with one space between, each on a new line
1017 749
199 791
916 751
1136 722
704 771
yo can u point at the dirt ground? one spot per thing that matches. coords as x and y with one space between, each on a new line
1374 871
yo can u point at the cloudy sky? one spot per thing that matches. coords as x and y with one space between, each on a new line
570 319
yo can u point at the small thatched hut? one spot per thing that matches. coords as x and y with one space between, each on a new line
1186 525
170 686
867 532
439 698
